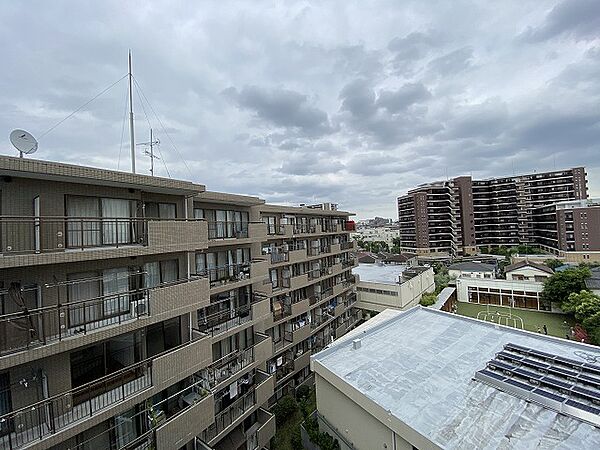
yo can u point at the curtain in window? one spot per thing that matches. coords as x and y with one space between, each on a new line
221 217
116 221
83 222
151 210
198 213
125 427
116 285
230 225
5 399
152 275
85 286
168 271
166 210
200 263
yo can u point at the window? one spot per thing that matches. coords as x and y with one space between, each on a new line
160 272
160 210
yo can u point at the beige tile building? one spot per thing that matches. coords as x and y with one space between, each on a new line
142 312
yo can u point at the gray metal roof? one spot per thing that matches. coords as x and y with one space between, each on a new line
419 366
472 267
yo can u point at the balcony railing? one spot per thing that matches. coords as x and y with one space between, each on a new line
283 341
279 256
275 229
43 234
284 370
229 415
227 229
41 326
301 228
33 423
226 274
224 321
347 245
227 366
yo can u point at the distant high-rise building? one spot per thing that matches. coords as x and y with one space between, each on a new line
459 215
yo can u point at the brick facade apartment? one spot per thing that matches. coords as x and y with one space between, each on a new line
141 312
457 216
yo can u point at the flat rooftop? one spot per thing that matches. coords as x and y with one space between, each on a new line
379 273
419 366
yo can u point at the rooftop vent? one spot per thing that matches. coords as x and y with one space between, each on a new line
356 343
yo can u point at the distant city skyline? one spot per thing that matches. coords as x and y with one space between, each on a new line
348 101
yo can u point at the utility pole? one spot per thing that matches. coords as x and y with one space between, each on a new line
131 131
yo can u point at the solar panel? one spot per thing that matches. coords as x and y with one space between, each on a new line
492 374
563 372
550 395
518 384
509 356
592 395
589 379
501 365
527 374
568 361
583 406
553 382
536 364
592 368
541 354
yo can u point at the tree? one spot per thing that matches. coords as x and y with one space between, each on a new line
553 263
396 246
560 285
284 409
428 299
586 307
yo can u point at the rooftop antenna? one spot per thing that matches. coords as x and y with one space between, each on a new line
150 152
24 142
131 131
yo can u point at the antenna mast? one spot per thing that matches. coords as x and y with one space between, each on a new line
131 131
150 152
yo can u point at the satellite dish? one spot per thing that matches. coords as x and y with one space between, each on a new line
24 142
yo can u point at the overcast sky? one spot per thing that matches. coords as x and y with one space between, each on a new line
346 101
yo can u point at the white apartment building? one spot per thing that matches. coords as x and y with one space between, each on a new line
372 234
426 379
382 286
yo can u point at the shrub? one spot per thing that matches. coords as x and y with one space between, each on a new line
302 392
428 299
284 409
296 439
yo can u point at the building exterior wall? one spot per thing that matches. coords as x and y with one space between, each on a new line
526 294
464 214
527 274
192 318
378 296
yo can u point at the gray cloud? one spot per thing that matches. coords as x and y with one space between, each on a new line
282 108
577 18
346 101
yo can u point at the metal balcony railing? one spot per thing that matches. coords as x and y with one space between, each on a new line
301 228
227 366
41 326
43 234
347 245
34 422
283 341
226 274
223 321
275 229
279 256
229 415
227 229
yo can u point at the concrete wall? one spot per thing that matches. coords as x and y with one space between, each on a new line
351 421
408 293
528 273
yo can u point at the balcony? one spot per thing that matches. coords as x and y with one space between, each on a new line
197 415
263 347
227 366
265 386
348 246
301 333
321 319
298 255
70 239
339 309
279 256
50 416
300 307
303 228
299 281
225 321
264 432
284 341
302 360
227 230
341 330
228 418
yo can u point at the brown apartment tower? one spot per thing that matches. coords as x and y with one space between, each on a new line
140 312
457 216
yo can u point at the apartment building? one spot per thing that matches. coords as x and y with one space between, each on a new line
140 312
456 216
569 229
427 379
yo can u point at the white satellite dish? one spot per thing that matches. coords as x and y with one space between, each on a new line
24 142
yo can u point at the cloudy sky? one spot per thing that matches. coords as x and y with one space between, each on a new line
347 101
